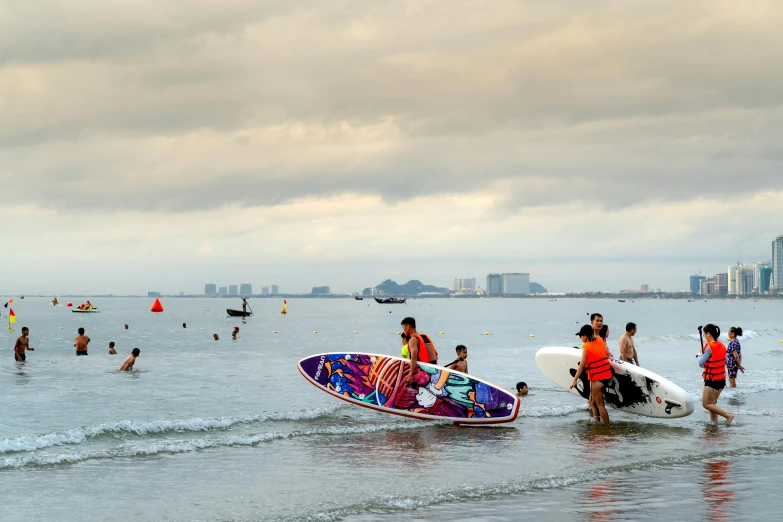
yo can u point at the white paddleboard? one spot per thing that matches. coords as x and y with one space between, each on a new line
632 389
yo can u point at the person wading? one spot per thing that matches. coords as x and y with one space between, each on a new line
599 372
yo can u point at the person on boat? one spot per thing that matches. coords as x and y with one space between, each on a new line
22 344
627 348
734 356
81 342
89 306
420 347
127 364
112 351
595 360
521 389
405 353
244 305
460 363
713 360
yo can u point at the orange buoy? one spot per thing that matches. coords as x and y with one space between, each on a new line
69 304
156 306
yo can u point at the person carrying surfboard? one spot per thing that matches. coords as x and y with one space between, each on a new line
420 347
595 361
713 359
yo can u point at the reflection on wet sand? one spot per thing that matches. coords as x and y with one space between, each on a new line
717 492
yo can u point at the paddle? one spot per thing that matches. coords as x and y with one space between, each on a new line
251 310
701 343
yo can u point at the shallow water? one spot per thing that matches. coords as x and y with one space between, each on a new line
229 430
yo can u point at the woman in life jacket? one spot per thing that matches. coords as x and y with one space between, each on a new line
713 359
599 372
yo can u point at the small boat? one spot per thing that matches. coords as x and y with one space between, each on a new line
238 313
84 311
358 298
390 300
621 300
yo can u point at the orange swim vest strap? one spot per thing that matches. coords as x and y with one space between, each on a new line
715 367
427 352
597 364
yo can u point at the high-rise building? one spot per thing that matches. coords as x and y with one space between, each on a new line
245 289
264 290
210 290
233 290
516 284
765 278
745 280
153 294
274 290
467 284
732 271
777 265
757 283
494 285
223 290
696 283
721 284
644 288
708 287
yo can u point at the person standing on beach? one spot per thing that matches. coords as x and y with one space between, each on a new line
713 360
22 344
597 322
81 342
734 356
627 348
599 372
127 364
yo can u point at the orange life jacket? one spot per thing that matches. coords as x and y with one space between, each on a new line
597 364
715 367
427 351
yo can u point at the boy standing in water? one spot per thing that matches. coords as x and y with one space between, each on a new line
461 364
22 344
127 364
81 343
112 351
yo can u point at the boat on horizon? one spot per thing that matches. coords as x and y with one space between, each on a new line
390 300
238 313
358 298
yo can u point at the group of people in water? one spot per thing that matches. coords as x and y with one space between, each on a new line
419 348
716 360
80 343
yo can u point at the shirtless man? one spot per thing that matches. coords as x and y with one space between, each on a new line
112 351
461 365
127 364
81 343
627 348
597 321
22 344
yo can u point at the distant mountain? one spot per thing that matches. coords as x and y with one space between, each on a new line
535 288
413 287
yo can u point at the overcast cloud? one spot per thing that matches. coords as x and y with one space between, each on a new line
302 143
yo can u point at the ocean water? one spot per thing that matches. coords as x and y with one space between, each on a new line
229 430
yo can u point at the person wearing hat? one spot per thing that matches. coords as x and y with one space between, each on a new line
235 332
595 361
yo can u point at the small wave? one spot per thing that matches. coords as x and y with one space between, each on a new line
147 448
80 435
760 413
552 411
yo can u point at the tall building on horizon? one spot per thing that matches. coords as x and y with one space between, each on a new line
776 285
707 287
245 289
274 290
732 271
223 290
696 283
721 284
516 284
264 290
494 285
765 278
210 289
758 284
233 290
467 284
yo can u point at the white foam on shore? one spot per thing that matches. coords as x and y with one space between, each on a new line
173 446
80 435
552 411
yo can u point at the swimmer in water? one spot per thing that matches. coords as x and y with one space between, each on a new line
22 344
127 364
81 342
235 332
112 351
521 389
215 337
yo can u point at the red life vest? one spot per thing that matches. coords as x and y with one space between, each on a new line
715 367
427 351
597 364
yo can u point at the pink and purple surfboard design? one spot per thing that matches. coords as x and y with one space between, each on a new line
379 382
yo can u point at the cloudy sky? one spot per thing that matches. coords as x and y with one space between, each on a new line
161 145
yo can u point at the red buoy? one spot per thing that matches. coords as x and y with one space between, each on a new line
156 306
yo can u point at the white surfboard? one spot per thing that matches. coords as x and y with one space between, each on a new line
632 389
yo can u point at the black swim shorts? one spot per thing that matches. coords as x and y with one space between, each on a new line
716 385
81 353
20 357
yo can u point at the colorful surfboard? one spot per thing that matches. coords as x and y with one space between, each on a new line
378 382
